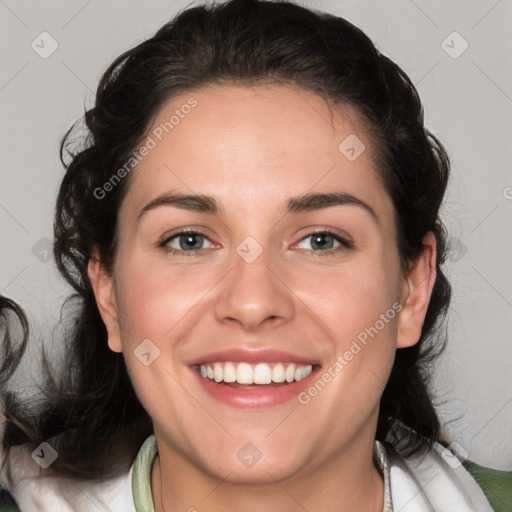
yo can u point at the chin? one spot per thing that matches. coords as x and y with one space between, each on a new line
248 467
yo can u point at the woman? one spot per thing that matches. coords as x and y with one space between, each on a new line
252 230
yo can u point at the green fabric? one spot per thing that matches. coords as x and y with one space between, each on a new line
379 455
495 484
141 476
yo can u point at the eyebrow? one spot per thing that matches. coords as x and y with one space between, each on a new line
319 201
304 203
192 202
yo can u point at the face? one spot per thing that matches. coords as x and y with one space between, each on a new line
279 268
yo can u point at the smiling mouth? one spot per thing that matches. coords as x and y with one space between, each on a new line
252 376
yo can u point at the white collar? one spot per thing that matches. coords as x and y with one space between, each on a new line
435 481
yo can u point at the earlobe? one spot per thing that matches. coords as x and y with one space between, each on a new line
103 286
416 292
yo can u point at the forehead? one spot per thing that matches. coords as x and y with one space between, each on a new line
261 143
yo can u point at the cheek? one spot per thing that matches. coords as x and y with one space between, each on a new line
353 299
361 307
153 300
158 304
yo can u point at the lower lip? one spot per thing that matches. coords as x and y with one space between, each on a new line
255 397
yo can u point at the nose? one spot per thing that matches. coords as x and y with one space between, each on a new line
254 296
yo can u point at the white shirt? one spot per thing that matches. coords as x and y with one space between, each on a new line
433 482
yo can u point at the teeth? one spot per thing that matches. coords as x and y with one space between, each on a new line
229 372
278 373
217 372
261 373
244 374
290 373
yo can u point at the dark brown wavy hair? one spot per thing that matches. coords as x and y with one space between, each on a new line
89 409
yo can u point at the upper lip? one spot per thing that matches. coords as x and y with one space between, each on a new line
238 355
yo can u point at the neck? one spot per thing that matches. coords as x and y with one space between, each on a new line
348 481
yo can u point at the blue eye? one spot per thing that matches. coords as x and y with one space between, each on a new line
189 243
323 242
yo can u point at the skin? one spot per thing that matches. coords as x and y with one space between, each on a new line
253 148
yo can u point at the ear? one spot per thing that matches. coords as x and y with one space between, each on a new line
416 292
104 292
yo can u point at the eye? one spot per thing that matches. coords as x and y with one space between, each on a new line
190 243
186 243
325 242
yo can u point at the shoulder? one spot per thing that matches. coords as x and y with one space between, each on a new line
438 480
39 488
442 480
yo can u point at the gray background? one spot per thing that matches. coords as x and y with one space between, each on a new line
468 104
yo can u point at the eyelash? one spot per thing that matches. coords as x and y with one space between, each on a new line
345 243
